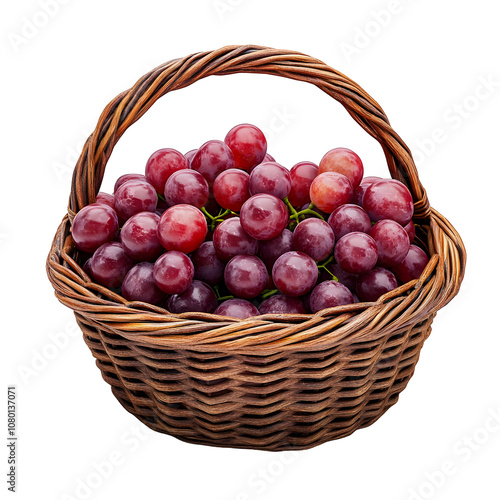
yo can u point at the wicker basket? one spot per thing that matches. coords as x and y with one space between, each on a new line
269 382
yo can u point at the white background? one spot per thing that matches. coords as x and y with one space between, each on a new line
425 62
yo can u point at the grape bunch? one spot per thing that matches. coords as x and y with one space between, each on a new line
225 229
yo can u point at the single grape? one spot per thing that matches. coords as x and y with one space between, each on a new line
245 276
105 199
87 267
356 252
230 240
190 155
161 165
347 279
371 285
345 162
182 228
173 272
237 308
271 178
93 226
412 266
139 237
359 192
248 144
128 177
207 265
295 273
315 238
388 199
329 294
329 190
139 284
198 297
133 197
266 159
263 216
110 264
410 230
213 158
301 176
186 186
392 242
270 250
231 189
348 219
282 304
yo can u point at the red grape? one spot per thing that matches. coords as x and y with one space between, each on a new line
347 279
110 264
105 199
207 265
190 155
410 230
173 272
93 226
301 175
388 199
371 285
359 192
392 241
356 252
329 190
237 308
182 228
133 197
231 189
245 276
349 218
87 267
198 297
128 177
263 216
315 238
329 294
412 266
282 304
186 186
162 164
295 273
270 250
344 161
248 144
140 285
139 237
230 240
271 178
212 159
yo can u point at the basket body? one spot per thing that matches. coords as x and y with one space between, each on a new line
270 382
280 401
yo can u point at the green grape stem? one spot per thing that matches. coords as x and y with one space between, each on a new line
268 293
324 266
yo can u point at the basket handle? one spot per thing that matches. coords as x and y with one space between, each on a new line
129 106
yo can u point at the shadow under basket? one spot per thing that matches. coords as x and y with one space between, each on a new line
272 382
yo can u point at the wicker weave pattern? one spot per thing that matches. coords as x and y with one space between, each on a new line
270 382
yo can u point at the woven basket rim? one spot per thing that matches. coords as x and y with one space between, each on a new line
150 325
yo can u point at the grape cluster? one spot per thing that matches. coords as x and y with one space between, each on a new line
225 229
